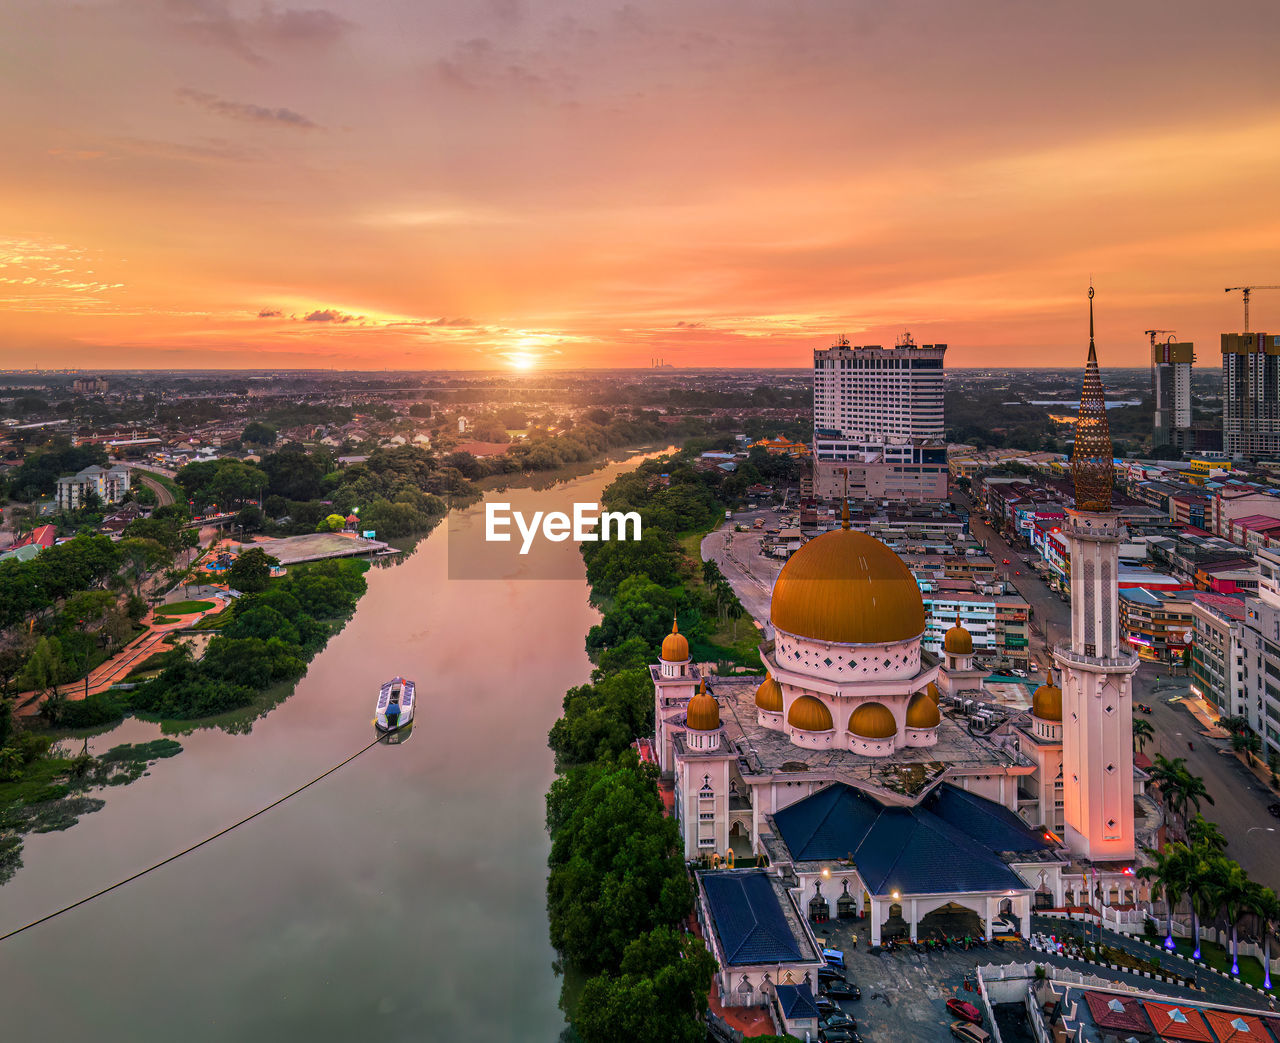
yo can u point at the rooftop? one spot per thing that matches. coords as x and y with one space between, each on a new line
947 843
763 751
754 919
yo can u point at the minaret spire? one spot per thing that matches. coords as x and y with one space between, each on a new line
1092 468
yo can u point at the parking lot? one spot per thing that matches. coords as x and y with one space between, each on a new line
904 993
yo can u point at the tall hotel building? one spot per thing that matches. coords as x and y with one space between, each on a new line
1171 382
878 421
1251 395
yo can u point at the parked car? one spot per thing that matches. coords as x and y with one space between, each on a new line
838 1019
825 1006
839 1035
1274 808
962 1030
826 974
842 990
965 1011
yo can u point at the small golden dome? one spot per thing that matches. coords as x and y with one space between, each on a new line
932 692
849 588
873 721
703 712
922 712
1046 704
810 715
675 646
769 695
958 641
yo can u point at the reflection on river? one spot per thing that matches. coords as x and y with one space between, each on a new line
399 899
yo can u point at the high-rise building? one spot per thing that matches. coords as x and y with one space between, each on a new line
1171 387
1097 668
1251 395
878 421
875 394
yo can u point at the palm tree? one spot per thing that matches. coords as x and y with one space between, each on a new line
1267 907
1233 893
1170 876
1208 872
1193 790
1179 789
1202 833
1142 733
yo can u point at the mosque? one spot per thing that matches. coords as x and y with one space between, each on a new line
850 768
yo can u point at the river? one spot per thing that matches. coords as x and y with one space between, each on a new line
400 899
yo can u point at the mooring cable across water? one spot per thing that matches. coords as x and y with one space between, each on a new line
188 850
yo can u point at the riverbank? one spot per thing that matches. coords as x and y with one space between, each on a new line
612 948
429 855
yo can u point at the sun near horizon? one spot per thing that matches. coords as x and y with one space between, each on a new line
367 186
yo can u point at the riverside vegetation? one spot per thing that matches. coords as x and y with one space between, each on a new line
618 893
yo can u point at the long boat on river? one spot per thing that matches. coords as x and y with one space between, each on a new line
395 704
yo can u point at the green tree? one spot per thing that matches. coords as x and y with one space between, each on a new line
1234 894
258 433
251 571
331 523
1169 876
658 996
1267 907
45 667
1142 733
615 868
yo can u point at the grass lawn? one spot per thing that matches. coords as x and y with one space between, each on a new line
182 608
37 782
731 640
1217 957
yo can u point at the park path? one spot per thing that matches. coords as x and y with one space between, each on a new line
115 669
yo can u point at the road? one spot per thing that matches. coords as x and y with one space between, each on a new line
749 573
1050 615
1240 807
163 495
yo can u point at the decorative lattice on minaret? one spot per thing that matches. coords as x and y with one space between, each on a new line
1092 468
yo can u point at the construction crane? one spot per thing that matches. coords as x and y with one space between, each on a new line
1154 333
1246 290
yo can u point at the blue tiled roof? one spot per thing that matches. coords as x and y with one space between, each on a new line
919 850
797 1001
992 825
747 918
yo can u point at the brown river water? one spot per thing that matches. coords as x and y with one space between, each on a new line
402 898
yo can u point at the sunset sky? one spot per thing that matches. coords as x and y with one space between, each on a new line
482 183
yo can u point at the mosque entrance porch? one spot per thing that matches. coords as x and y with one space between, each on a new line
951 921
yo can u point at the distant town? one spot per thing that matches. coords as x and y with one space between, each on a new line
965 666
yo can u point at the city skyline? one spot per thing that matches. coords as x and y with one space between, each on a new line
513 185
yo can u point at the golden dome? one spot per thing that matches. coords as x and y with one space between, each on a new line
922 712
932 692
873 721
769 695
1046 704
847 587
810 715
958 641
675 646
703 712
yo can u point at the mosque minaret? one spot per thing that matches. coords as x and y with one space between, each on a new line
1097 671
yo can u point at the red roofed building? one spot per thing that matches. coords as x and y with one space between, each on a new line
1118 1014
42 536
1178 1022
1233 1027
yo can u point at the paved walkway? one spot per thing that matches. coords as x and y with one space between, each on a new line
115 669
